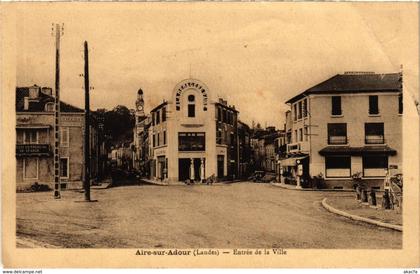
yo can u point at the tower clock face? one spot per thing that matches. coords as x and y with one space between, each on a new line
139 105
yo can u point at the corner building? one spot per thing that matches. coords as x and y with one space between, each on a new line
192 136
349 124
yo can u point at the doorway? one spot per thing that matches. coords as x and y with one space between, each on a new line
220 165
184 169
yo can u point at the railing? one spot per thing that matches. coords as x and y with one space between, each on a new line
374 139
337 140
294 147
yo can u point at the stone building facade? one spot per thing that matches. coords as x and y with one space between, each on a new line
350 124
192 136
35 141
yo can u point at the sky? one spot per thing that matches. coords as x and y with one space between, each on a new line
255 55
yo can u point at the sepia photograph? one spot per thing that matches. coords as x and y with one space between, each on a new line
228 130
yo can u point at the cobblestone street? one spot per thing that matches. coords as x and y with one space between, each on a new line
241 215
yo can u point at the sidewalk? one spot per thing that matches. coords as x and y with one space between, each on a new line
346 205
177 183
293 187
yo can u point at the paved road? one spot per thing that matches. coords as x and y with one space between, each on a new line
245 215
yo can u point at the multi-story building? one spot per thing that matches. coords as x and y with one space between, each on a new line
245 152
193 136
349 124
35 140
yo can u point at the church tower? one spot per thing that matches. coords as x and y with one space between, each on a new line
139 131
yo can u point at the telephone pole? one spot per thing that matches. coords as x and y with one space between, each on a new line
86 183
57 183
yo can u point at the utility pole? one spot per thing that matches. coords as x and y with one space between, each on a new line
57 183
86 183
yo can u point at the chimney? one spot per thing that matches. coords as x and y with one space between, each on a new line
46 91
34 92
26 103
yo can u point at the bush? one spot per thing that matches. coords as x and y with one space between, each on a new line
318 181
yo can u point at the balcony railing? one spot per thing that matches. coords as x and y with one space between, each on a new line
33 150
337 140
374 139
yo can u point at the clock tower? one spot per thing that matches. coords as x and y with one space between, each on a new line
139 105
139 133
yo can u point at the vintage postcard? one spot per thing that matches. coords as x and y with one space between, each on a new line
198 134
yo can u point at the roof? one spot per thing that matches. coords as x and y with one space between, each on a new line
38 105
226 107
164 103
354 83
344 150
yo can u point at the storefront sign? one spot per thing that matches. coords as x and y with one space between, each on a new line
71 120
33 150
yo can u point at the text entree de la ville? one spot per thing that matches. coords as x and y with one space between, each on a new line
212 252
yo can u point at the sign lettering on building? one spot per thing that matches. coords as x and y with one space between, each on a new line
191 84
33 150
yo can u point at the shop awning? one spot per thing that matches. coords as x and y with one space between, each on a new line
34 126
291 161
357 151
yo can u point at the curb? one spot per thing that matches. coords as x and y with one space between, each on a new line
358 218
151 182
310 189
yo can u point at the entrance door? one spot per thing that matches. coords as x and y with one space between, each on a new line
197 169
161 166
220 165
184 169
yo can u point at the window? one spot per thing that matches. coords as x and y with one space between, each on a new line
154 140
219 114
64 168
224 118
289 137
400 103
30 168
296 135
158 139
30 136
164 114
219 136
300 135
306 133
373 104
294 112
164 137
157 117
305 108
191 106
191 141
300 110
375 166
64 136
153 118
337 134
374 133
336 105
338 166
49 107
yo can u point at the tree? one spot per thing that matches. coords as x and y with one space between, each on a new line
118 125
